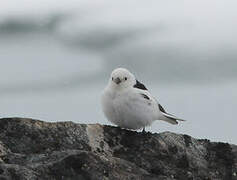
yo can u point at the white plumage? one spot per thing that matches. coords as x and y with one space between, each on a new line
127 103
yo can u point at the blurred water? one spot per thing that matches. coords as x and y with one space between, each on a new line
56 59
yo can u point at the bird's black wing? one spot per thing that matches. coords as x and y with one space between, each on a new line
140 85
145 96
161 108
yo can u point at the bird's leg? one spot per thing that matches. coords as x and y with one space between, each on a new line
144 131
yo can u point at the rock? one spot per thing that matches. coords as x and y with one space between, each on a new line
32 149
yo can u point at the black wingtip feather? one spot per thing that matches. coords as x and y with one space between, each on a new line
161 108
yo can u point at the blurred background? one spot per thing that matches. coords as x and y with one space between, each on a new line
56 57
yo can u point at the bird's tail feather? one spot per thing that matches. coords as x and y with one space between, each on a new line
170 118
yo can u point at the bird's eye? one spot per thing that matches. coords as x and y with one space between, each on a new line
112 78
125 78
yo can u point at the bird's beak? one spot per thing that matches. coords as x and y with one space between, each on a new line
117 80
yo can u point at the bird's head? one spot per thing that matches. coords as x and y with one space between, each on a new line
122 78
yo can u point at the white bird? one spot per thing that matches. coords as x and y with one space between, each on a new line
127 103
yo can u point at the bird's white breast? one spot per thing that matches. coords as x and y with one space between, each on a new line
128 108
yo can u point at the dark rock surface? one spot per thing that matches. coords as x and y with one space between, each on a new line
32 149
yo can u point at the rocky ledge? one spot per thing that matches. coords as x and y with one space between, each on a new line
32 149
